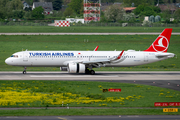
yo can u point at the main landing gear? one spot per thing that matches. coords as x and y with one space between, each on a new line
88 71
92 72
24 72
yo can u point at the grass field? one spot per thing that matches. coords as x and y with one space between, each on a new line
83 29
82 94
12 44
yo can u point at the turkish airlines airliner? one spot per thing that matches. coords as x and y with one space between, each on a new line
85 61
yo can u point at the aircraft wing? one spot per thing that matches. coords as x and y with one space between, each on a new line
96 61
103 60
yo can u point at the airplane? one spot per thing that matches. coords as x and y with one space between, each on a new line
85 61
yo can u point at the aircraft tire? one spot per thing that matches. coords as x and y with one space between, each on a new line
92 72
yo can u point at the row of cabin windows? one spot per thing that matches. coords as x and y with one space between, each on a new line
68 56
79 56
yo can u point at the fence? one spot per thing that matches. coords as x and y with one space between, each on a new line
94 24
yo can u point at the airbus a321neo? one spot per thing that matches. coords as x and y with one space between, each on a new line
85 61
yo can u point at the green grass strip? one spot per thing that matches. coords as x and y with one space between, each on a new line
69 112
80 29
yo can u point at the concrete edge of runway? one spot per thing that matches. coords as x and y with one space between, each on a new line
124 72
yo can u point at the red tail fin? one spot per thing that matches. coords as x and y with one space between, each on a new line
162 42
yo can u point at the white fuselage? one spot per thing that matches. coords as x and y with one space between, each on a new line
62 58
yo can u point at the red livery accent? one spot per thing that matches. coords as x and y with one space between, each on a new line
174 103
120 55
114 90
96 48
156 104
162 42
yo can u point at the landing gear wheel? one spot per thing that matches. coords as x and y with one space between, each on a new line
92 72
24 72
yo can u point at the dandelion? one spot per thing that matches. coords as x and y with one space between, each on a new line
122 103
99 86
161 94
169 96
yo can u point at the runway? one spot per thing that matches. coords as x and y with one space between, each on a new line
165 79
100 75
124 117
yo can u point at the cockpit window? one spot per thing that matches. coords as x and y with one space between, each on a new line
16 56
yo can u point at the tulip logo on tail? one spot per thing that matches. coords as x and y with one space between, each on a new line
161 44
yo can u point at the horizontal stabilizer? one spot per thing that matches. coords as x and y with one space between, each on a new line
165 55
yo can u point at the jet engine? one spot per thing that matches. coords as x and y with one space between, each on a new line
76 68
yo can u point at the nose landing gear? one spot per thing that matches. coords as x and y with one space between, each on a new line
24 72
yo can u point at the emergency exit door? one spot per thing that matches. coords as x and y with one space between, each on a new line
145 57
25 57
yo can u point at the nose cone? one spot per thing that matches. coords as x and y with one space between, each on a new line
7 61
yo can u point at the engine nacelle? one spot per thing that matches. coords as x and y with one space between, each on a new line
63 68
76 68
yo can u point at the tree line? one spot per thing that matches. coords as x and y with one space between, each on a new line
74 8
